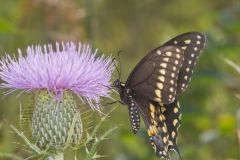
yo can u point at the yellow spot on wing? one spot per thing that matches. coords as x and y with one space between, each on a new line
174 68
155 123
164 129
173 134
152 108
184 47
152 115
161 78
162 117
188 41
169 53
175 110
164 139
162 71
163 109
175 121
160 85
164 65
155 130
178 55
158 92
157 99
170 143
166 59
149 132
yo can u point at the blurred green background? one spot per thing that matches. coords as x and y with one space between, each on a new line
211 115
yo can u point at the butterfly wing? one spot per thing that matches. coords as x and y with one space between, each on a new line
162 123
192 43
156 127
171 113
155 77
155 81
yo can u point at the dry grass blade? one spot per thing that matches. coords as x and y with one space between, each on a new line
232 64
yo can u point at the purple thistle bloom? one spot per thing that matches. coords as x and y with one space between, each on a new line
69 67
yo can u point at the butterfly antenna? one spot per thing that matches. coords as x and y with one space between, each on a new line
115 65
120 66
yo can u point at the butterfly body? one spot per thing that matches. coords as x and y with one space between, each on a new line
152 87
127 98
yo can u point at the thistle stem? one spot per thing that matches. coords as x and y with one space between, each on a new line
57 156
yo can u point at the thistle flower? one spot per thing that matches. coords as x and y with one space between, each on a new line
55 76
73 68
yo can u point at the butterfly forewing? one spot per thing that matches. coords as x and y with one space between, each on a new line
155 77
192 43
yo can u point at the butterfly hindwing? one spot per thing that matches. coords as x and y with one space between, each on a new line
192 43
156 127
172 115
155 77
162 123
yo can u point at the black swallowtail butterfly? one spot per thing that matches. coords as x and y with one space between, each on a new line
151 89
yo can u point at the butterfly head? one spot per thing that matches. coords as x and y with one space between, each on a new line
125 93
118 85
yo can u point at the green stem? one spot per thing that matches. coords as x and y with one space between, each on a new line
57 156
